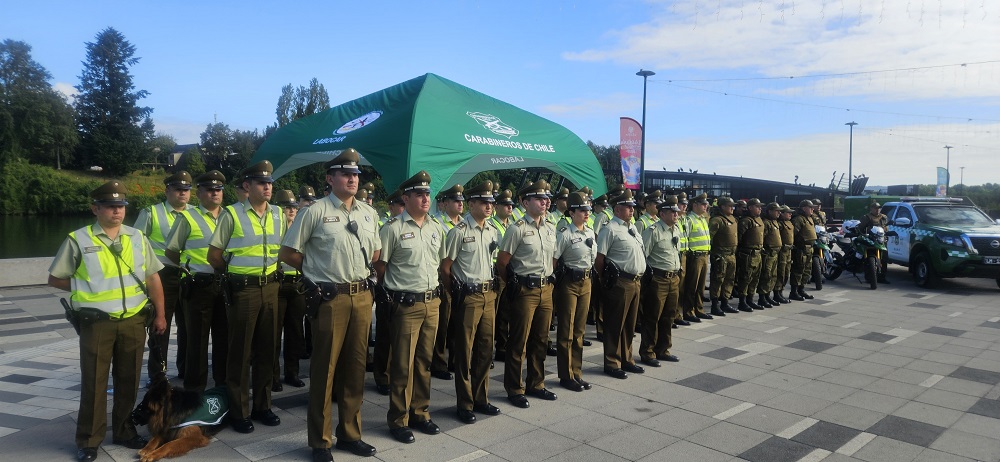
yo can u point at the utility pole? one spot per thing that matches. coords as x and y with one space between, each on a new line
850 159
947 169
642 147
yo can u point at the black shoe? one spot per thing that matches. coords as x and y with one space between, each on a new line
358 448
276 386
486 409
794 295
571 385
691 318
552 351
802 292
751 304
586 385
587 342
681 322
443 375
762 301
726 307
780 298
703 316
294 381
542 393
466 416
616 373
382 389
266 417
669 358
744 306
426 426
771 300
322 455
519 401
86 454
652 362
633 368
600 337
402 434
673 325
718 312
243 425
729 309
499 355
136 442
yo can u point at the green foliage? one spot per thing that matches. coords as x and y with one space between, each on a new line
35 189
114 129
192 161
296 103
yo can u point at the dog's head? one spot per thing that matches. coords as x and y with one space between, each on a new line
152 403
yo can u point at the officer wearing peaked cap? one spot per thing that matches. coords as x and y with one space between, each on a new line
291 309
502 219
155 222
784 264
307 195
750 235
576 249
333 244
723 231
525 263
558 214
769 255
649 212
603 212
380 353
453 204
805 236
699 240
661 283
412 248
114 331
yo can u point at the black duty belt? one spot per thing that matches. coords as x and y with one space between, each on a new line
290 278
204 278
698 253
421 297
629 276
246 280
481 288
663 273
352 288
577 274
533 282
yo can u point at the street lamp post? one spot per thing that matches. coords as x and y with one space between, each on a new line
850 158
642 146
947 169
962 178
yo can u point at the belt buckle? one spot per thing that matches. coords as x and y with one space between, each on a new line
261 281
428 295
353 288
542 282
484 287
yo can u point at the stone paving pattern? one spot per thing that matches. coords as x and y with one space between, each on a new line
897 374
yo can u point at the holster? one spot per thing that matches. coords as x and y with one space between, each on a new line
315 294
611 273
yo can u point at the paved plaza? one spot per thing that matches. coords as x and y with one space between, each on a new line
897 374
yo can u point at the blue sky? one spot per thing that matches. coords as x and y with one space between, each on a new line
713 105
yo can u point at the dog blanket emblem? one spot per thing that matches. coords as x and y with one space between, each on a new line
214 407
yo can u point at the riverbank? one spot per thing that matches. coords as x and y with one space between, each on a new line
17 272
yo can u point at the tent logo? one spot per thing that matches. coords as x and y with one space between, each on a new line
493 124
360 122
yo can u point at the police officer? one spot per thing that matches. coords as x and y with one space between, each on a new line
201 300
501 220
469 276
558 213
291 308
241 194
723 232
819 216
576 250
741 209
380 356
805 236
649 214
875 218
620 263
784 264
769 256
604 214
661 286
333 243
750 236
412 248
307 196
155 222
110 271
249 233
699 242
526 250
452 201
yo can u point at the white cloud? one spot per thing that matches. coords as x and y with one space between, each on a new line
183 131
67 90
615 103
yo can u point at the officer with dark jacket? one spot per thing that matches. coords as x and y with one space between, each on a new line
802 252
723 232
750 235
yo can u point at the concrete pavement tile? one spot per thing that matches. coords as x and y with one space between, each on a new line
723 353
811 345
984 363
947 358
848 352
849 416
874 401
798 404
580 453
674 395
780 380
56 434
632 409
13 397
777 449
541 412
485 432
803 369
825 390
828 360
907 430
686 451
978 425
793 354
933 455
869 368
907 351
947 399
876 337
888 359
897 389
587 427
679 422
738 371
965 387
765 419
986 407
711 405
768 362
633 442
751 392
882 449
708 382
729 438
908 376
960 350
277 445
931 367
968 445
928 413
848 379
976 375
826 435
427 447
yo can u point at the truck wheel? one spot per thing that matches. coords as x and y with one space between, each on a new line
817 273
871 272
923 271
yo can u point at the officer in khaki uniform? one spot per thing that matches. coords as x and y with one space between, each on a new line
699 242
769 256
101 265
722 229
412 248
576 250
333 243
819 216
649 215
291 309
750 235
526 251
201 294
787 232
307 196
661 284
874 218
558 213
155 222
245 246
380 355
805 236
453 204
604 216
502 219
620 263
470 278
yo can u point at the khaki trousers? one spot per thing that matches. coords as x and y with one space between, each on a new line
695 277
661 295
115 347
473 339
380 357
784 268
158 344
572 301
252 318
412 331
802 265
206 316
723 274
621 304
530 315
443 341
768 271
291 310
747 271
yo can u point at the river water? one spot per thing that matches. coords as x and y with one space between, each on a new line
39 236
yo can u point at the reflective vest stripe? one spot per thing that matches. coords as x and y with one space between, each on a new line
254 248
102 281
699 239
159 227
196 246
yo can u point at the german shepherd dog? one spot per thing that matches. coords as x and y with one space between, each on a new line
178 420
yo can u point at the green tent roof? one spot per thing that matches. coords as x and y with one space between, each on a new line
431 123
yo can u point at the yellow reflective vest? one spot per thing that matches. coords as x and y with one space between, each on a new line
195 253
254 244
103 281
698 238
160 222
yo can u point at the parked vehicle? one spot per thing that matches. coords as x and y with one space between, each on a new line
822 256
862 253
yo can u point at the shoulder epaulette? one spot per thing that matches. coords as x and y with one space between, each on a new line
461 224
563 228
435 219
392 220
519 223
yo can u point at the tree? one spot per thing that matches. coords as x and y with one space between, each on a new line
113 128
36 122
192 161
296 103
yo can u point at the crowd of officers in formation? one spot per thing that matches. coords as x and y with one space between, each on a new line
453 291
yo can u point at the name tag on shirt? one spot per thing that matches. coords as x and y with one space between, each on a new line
92 249
406 236
469 239
576 241
529 233
331 219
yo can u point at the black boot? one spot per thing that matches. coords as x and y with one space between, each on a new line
771 300
762 301
726 307
780 298
716 311
793 294
803 294
744 306
750 303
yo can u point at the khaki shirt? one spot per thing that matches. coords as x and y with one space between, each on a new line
69 255
622 244
412 253
531 247
224 226
661 244
571 246
468 247
177 239
330 251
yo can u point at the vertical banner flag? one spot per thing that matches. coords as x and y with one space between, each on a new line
942 182
631 151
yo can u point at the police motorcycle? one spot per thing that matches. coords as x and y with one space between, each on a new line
862 253
822 257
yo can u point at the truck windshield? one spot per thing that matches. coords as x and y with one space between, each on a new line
952 215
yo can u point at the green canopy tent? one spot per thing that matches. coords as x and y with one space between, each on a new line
433 124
